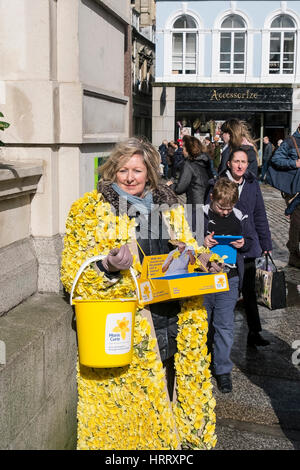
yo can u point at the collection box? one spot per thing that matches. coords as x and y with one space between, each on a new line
155 286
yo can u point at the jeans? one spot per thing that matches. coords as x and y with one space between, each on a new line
264 168
220 316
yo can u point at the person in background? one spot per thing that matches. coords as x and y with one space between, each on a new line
286 157
221 218
235 134
178 158
251 203
163 150
267 154
209 149
194 174
217 152
172 147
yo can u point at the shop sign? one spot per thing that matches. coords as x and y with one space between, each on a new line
230 95
197 98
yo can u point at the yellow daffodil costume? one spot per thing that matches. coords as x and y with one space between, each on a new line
128 408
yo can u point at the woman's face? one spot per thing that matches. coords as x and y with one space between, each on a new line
226 137
132 176
238 165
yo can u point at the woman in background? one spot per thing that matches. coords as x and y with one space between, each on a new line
235 134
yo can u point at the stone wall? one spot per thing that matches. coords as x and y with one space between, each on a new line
18 260
38 382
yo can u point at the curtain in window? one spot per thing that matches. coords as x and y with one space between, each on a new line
232 46
190 53
282 46
177 56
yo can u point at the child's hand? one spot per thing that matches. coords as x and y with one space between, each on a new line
209 240
238 243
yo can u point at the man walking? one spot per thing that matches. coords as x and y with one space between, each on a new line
267 154
163 150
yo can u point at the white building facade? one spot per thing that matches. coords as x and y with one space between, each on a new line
221 59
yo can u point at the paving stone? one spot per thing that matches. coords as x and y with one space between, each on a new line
234 437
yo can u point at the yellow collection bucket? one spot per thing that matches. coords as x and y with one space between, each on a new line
105 328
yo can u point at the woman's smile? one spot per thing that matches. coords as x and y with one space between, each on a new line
132 176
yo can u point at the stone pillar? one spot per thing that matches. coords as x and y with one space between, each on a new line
163 114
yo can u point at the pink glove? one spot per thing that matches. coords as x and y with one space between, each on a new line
118 259
212 267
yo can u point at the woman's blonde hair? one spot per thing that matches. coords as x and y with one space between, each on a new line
123 151
238 130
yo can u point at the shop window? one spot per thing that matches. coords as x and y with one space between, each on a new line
184 45
282 45
233 45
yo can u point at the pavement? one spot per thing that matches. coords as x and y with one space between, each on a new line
263 410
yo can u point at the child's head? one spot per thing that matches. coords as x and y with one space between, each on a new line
224 196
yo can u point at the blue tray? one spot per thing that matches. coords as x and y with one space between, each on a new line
224 247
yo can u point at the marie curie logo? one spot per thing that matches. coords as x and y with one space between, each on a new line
220 282
118 333
146 291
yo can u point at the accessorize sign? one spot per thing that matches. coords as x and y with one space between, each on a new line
204 98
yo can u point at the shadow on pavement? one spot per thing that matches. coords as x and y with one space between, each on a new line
272 370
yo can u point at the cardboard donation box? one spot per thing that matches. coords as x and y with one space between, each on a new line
157 286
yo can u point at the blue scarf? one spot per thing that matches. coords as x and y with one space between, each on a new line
143 204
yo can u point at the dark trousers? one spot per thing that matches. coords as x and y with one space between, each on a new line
265 165
249 296
220 318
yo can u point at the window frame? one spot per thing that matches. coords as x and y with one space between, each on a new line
184 32
232 32
282 31
267 77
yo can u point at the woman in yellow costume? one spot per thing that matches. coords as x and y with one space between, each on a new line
132 215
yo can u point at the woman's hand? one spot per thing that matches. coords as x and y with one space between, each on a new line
209 240
169 183
118 259
238 243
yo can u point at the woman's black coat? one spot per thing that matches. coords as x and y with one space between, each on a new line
193 179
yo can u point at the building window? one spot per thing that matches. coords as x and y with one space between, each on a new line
233 45
282 45
184 45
